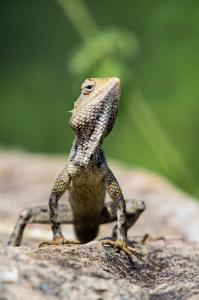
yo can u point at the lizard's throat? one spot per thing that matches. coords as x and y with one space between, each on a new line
86 151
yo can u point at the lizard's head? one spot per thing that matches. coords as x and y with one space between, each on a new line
98 101
93 116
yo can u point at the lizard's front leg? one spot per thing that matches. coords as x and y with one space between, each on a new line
134 209
116 195
61 185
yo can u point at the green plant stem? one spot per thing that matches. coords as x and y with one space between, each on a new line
80 17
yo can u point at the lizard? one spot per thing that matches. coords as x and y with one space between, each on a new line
87 176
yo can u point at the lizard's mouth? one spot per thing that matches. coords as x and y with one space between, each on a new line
116 80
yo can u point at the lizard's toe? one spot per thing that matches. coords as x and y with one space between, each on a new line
56 241
122 245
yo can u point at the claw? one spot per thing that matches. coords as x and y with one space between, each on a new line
59 241
122 245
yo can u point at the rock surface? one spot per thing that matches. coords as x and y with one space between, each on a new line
168 269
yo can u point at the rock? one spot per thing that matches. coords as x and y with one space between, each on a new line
168 269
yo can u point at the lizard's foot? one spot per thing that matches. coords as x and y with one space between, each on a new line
122 245
59 241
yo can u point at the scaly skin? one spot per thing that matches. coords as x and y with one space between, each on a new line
87 176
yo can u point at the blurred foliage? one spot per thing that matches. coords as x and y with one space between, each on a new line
101 48
152 46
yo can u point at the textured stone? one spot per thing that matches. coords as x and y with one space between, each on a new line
168 269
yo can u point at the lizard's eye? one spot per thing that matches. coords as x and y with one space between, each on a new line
88 88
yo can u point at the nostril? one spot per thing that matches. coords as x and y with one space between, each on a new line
142 204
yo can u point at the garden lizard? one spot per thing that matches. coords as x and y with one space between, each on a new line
87 176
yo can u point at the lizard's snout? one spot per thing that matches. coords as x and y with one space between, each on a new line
116 81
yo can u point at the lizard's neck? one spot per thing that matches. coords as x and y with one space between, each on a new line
80 151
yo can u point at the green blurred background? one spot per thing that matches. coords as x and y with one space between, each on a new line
49 47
